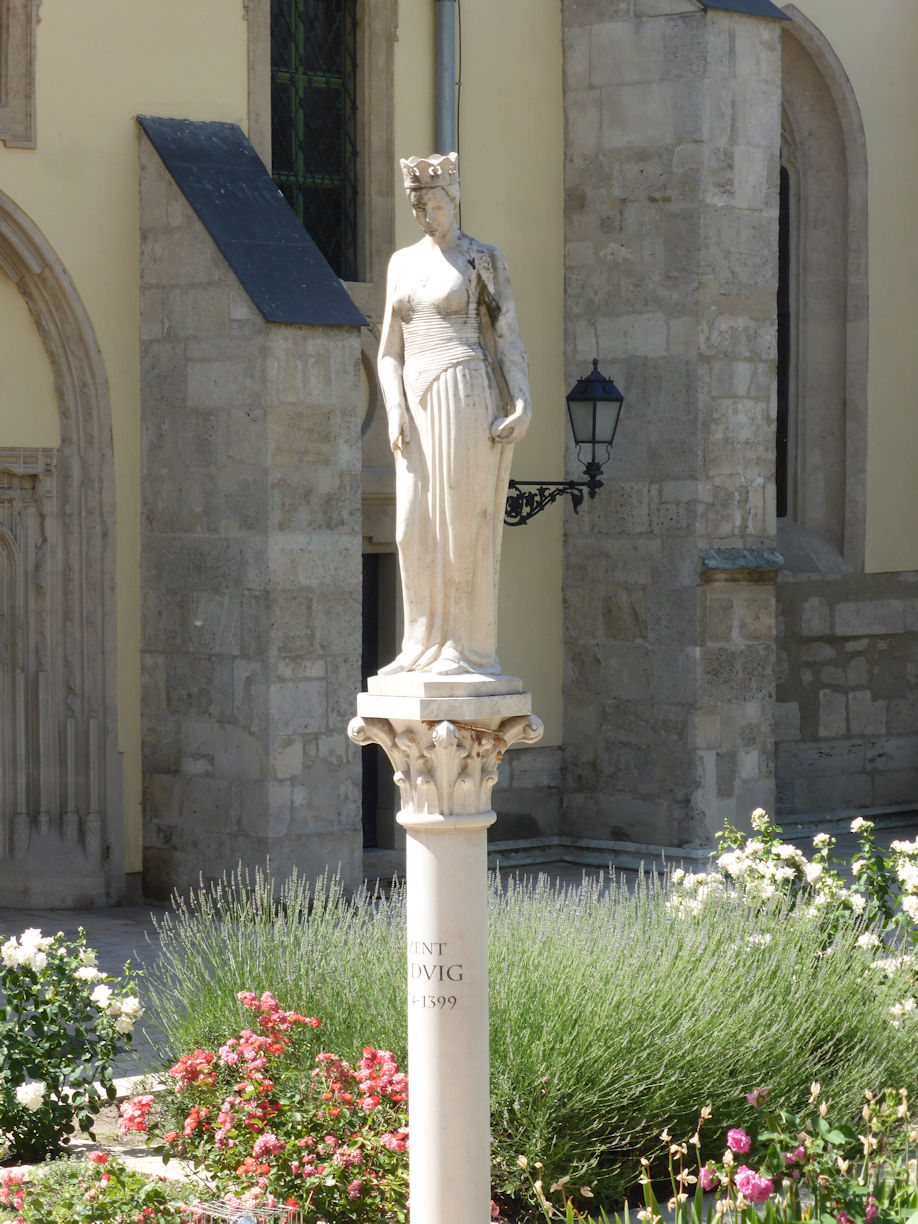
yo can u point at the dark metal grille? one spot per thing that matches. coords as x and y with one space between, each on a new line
314 121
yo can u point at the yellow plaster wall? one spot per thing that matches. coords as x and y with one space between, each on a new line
28 404
877 45
80 186
511 167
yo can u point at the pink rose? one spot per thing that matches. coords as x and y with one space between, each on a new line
708 1178
871 1210
738 1141
753 1187
757 1096
797 1156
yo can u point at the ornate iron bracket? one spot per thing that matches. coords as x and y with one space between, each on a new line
525 498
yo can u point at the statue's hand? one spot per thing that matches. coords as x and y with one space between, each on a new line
399 428
512 428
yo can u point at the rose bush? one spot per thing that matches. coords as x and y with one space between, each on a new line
765 869
98 1189
274 1122
62 1022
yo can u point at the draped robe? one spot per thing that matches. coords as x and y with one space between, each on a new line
451 479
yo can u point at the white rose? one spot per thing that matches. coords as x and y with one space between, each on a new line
101 996
11 953
32 938
733 862
37 961
131 1006
910 905
30 1095
860 825
88 973
813 873
822 841
124 1024
867 940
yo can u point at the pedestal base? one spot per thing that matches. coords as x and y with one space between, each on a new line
445 742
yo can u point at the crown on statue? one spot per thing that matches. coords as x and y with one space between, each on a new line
435 171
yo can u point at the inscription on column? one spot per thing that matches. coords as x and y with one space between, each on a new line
432 977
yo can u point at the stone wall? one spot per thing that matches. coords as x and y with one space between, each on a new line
847 712
251 568
527 797
672 175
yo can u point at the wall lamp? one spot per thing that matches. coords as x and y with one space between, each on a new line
594 405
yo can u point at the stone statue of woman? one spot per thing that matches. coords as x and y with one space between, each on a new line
455 381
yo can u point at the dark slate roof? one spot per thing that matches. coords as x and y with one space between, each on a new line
225 182
755 8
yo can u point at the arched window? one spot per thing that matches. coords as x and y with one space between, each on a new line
822 308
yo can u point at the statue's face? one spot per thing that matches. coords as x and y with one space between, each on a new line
433 210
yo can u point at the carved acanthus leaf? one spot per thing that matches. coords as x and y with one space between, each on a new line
445 767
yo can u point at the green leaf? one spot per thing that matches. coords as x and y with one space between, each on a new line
837 1136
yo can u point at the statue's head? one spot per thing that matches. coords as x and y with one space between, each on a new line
432 186
434 171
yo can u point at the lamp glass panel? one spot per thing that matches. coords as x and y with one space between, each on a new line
581 413
606 417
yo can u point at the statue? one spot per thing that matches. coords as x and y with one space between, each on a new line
455 382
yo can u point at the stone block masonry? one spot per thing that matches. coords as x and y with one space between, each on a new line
847 713
251 568
673 119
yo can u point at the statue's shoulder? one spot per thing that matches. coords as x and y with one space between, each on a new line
487 257
404 255
491 267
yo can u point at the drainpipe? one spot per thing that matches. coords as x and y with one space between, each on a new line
446 76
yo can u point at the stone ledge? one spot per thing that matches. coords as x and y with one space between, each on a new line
739 565
381 864
473 709
428 684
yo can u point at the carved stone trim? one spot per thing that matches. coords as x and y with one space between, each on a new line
18 19
59 509
443 768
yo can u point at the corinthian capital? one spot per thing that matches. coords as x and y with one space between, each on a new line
444 768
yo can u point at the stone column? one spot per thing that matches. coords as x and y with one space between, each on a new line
673 121
445 738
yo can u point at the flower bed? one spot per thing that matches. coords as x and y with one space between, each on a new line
612 1015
